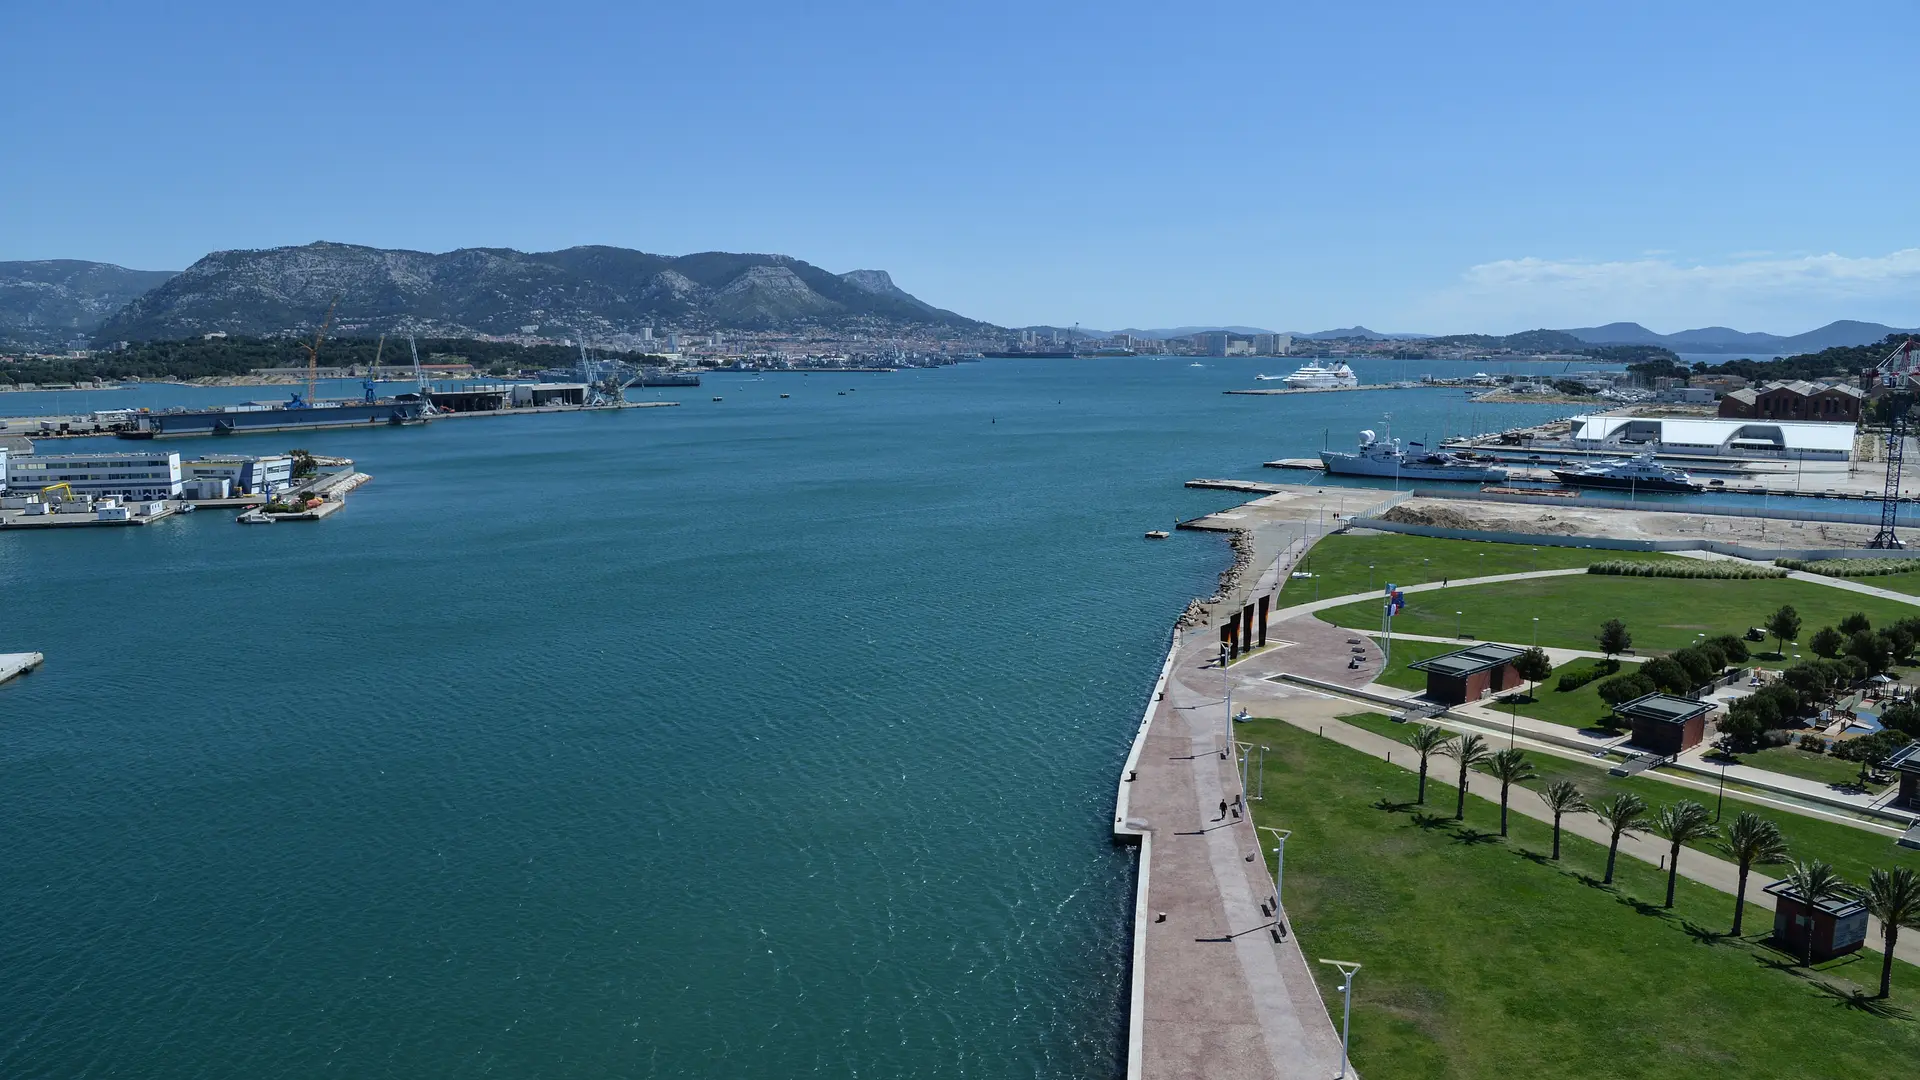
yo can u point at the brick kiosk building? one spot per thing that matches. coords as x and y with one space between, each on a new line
1470 674
1838 924
1665 724
1906 762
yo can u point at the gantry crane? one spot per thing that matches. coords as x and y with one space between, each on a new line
1896 372
313 357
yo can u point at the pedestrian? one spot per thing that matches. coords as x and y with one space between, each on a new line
1223 810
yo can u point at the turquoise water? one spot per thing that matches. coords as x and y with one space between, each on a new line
762 738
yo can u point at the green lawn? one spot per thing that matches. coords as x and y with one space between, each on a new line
1852 851
1662 613
1482 958
1796 762
1340 562
1405 652
1578 708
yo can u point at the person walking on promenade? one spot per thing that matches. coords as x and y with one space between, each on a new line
1223 811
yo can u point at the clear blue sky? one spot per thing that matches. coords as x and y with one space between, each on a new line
1299 166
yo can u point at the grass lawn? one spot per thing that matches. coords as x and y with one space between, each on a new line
1483 958
1796 762
1852 851
1340 562
1405 652
1577 708
1662 613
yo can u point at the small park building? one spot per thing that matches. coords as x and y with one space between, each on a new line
1838 924
1906 763
1469 674
1665 724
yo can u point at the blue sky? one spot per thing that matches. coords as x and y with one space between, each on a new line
1297 166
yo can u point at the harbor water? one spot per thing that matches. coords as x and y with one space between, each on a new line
768 737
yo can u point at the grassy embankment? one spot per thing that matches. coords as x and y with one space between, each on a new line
1340 563
1484 958
1851 850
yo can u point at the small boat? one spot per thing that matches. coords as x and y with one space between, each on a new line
1196 365
716 398
843 393
1157 534
1269 378
255 516
786 395
1314 377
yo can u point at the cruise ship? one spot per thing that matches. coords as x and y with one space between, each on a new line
1315 377
1637 473
1384 457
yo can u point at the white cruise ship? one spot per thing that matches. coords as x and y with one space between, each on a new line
1315 377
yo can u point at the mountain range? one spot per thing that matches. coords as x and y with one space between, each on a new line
56 302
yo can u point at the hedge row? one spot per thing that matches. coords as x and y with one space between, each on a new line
1851 567
1574 680
1685 568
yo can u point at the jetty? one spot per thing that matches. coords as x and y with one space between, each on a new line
18 663
1252 486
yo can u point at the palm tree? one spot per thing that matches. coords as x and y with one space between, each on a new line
1751 839
1562 797
1511 767
1427 740
1623 815
1894 898
1468 750
1682 823
1810 883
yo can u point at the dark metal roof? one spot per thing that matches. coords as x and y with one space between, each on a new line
1662 709
1906 759
1469 661
1837 906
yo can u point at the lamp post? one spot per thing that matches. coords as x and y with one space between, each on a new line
1456 625
1348 969
1261 780
1369 577
1536 631
1722 799
1279 862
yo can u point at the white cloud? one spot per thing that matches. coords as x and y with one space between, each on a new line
1750 291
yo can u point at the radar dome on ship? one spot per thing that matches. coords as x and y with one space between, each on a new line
1366 437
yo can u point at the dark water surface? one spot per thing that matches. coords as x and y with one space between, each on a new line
765 738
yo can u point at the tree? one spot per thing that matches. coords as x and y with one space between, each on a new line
1614 638
1682 823
1751 839
1893 896
1903 717
1625 687
1899 639
1623 815
1533 666
1855 623
1870 650
1699 667
1784 625
1468 750
1510 767
1427 740
1667 674
1562 797
1731 647
1810 883
1827 642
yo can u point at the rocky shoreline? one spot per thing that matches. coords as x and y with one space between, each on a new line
1199 611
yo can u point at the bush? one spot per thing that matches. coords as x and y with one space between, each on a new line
1827 642
1668 674
1731 647
1903 717
1686 568
1574 680
1855 623
1625 688
1813 744
1870 749
1850 567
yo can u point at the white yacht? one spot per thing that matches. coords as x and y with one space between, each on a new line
1315 377
1384 457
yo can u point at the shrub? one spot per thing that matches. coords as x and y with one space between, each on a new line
1574 680
1850 567
1625 688
1813 744
1855 623
1685 568
1731 647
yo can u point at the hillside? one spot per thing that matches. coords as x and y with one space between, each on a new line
1720 339
56 303
596 291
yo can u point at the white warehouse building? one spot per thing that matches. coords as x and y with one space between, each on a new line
149 475
1811 441
244 475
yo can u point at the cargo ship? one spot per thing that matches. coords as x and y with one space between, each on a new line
656 377
261 416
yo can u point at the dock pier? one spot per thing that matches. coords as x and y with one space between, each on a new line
19 663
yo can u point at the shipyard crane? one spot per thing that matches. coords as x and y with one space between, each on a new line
371 384
1896 372
420 380
313 356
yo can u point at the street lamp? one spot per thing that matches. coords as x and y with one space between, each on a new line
1456 624
1348 969
1369 577
1536 630
1279 863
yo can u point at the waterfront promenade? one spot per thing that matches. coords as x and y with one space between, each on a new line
1220 990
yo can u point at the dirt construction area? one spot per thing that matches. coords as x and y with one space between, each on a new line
1629 524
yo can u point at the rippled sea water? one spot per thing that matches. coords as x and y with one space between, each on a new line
762 738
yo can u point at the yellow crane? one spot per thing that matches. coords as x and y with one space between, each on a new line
313 351
65 489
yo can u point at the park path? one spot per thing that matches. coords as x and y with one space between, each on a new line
1318 712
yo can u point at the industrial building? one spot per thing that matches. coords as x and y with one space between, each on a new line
150 475
1827 441
1797 400
1470 674
242 475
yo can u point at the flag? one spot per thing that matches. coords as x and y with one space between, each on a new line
1396 600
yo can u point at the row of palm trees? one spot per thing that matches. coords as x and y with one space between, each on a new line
1893 896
